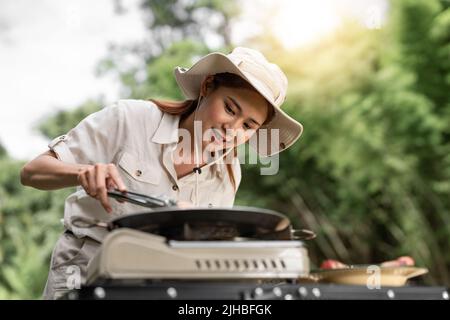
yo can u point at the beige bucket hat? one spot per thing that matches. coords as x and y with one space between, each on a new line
267 78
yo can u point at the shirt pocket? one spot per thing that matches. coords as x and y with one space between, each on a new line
209 196
138 170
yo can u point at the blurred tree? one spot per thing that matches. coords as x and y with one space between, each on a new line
29 227
173 20
160 81
2 151
64 120
371 172
201 25
417 51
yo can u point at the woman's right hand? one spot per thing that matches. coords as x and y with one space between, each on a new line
97 179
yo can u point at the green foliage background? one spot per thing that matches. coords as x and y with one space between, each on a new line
371 173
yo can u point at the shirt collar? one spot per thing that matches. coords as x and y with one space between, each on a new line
167 132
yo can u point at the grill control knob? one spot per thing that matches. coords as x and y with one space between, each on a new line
258 292
99 293
277 292
172 292
303 292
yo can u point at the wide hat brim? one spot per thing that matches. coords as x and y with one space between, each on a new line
289 129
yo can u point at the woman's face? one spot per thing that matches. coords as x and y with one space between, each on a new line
230 116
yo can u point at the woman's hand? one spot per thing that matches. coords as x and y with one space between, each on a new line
97 179
404 261
185 204
399 262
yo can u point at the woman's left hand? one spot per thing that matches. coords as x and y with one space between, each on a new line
405 261
185 204
399 262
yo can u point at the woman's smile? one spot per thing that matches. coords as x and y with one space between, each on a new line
218 137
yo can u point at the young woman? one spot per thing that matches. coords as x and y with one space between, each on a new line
182 150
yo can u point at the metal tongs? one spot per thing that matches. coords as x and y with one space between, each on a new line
141 199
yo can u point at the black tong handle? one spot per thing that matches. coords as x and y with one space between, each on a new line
142 200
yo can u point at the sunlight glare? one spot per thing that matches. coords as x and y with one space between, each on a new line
297 23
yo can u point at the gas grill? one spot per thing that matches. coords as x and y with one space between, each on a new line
213 253
132 254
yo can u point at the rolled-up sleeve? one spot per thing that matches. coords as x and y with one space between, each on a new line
97 138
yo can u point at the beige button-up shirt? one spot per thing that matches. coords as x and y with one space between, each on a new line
139 139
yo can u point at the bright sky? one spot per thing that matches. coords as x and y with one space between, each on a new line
49 50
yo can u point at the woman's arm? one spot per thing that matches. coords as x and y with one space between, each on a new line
47 172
